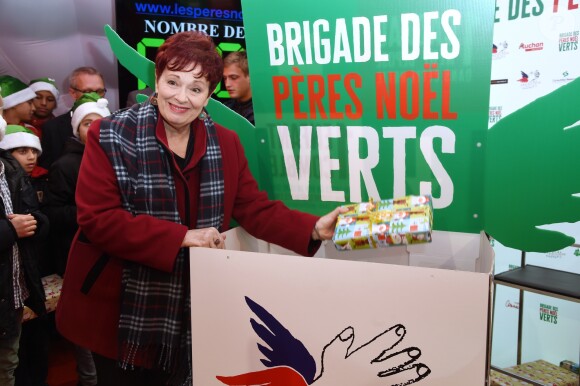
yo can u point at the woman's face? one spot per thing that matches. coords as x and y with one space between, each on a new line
181 96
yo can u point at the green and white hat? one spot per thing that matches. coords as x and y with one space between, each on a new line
2 121
14 91
3 125
44 84
88 103
19 136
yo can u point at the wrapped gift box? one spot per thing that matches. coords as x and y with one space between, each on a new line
52 286
405 220
499 379
546 372
539 371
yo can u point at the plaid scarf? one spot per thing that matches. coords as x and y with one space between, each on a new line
154 325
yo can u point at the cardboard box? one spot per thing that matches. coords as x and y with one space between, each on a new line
539 371
569 365
430 289
52 286
405 220
546 372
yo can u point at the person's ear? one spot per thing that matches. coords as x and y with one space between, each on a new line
209 96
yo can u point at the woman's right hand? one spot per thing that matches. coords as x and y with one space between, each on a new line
204 237
24 224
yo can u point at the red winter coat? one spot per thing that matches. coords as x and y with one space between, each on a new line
92 320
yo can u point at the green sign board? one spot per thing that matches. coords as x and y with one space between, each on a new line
374 100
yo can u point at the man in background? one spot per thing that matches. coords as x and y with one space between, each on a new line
237 82
55 131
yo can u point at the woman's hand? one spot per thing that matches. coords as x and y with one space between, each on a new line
25 224
324 227
205 237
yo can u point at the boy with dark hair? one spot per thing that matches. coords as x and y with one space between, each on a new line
18 105
45 102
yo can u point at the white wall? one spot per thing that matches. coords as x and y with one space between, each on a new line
50 38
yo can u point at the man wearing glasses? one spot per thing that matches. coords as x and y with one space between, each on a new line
55 131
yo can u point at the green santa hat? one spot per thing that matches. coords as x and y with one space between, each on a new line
44 84
2 127
14 91
19 136
88 103
2 121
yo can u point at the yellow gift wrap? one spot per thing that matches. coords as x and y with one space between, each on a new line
540 371
52 285
546 372
499 379
405 220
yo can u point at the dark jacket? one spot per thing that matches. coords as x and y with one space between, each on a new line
60 206
39 180
24 201
54 134
245 109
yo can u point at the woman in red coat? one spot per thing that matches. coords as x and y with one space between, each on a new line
157 179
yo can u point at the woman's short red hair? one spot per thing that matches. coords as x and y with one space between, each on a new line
185 50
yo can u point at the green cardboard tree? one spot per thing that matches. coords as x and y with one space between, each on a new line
532 171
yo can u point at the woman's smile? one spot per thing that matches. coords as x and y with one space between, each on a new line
178 109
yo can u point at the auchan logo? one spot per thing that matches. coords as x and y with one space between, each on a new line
509 304
531 46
